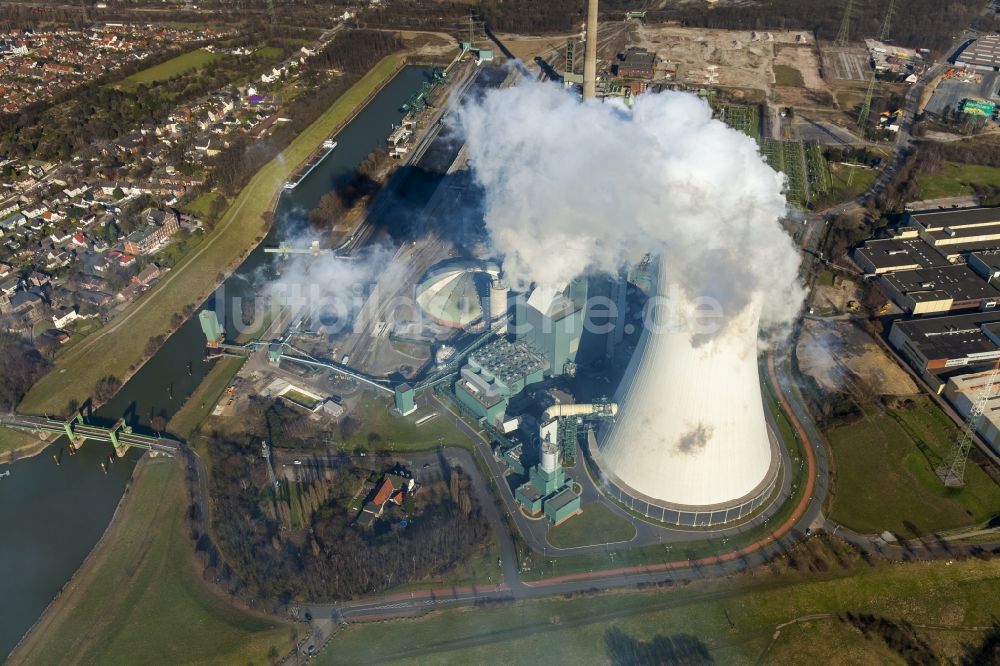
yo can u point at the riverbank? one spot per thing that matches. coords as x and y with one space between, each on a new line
16 444
141 588
121 345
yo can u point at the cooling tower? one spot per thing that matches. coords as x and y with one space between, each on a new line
691 445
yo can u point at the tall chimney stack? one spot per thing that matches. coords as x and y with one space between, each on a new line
590 55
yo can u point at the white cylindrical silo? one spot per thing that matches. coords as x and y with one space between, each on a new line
499 293
550 456
499 297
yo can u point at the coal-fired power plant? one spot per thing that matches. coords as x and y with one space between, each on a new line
661 179
691 445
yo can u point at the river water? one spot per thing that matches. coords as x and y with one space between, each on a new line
51 516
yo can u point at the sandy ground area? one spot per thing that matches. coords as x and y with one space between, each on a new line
804 58
732 58
836 352
437 44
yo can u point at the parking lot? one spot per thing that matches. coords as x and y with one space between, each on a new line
951 92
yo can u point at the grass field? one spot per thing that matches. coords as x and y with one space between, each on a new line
300 398
268 52
842 190
201 205
734 620
597 524
954 180
11 439
885 475
478 569
121 344
381 430
166 70
788 76
203 400
140 599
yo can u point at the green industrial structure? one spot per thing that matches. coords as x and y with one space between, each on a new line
494 374
978 107
119 435
548 489
405 399
210 326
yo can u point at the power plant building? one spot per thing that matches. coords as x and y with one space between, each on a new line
690 445
548 489
552 324
494 374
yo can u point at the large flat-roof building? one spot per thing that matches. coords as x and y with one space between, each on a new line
897 254
962 391
935 344
939 289
982 54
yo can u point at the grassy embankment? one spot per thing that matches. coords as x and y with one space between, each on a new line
955 180
182 64
597 524
735 620
119 347
200 404
140 598
381 430
885 475
11 439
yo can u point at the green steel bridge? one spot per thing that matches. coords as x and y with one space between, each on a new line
119 435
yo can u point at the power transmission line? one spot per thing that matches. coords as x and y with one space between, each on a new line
845 25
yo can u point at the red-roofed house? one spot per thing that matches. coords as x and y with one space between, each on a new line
392 488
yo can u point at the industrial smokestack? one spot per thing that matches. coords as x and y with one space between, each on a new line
590 55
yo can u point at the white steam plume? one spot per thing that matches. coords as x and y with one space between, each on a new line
571 187
331 288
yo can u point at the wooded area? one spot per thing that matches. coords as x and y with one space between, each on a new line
257 557
20 366
352 53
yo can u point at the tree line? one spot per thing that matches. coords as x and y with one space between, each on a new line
21 365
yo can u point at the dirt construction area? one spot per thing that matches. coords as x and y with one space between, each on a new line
836 353
733 58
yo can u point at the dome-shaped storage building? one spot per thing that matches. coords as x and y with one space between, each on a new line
691 445
452 293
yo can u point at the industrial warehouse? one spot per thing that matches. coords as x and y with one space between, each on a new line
940 269
938 262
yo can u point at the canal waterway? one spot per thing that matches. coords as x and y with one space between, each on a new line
51 516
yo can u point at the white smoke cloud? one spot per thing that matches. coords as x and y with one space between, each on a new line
331 288
571 187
